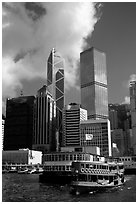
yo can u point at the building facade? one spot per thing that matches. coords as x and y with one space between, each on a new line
101 135
22 156
117 137
3 124
45 123
72 115
132 89
113 119
94 92
19 127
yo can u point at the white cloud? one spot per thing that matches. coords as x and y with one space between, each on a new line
29 42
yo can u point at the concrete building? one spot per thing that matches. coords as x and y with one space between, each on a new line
132 89
23 156
72 115
117 137
19 123
45 121
113 119
94 91
99 132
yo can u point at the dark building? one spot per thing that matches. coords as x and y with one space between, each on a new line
19 121
124 123
45 123
94 92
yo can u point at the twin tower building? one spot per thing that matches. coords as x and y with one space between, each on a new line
57 125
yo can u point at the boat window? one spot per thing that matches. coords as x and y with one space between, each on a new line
94 166
67 157
75 157
134 159
56 157
52 157
78 157
63 168
82 165
56 168
103 167
59 168
87 165
71 157
63 157
60 157
67 168
125 159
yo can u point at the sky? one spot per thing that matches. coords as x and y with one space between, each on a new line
31 31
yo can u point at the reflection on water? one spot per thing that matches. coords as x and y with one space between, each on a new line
26 188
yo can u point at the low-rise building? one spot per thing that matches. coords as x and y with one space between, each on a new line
23 156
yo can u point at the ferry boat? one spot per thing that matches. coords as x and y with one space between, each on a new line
96 175
57 166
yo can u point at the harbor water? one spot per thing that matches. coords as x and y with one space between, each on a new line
26 188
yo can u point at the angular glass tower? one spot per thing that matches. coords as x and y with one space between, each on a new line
55 83
94 92
55 77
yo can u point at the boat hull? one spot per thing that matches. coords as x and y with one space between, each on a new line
55 177
84 187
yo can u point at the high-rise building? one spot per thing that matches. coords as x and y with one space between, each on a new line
132 89
45 124
99 134
113 119
19 130
94 92
72 115
55 77
55 83
117 137
124 123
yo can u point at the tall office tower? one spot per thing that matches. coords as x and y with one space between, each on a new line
45 113
94 92
96 133
113 119
55 77
132 89
55 83
72 115
19 123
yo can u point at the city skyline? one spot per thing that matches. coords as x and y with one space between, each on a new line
114 34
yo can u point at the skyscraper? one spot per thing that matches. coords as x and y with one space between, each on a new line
72 115
19 123
132 89
55 77
45 113
55 83
94 92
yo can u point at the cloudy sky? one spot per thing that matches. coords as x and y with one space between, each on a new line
31 30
